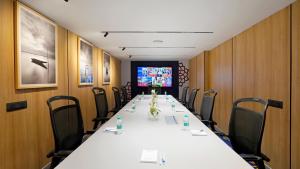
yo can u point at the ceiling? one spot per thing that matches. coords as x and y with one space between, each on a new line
89 18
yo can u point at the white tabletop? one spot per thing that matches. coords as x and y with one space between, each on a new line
182 150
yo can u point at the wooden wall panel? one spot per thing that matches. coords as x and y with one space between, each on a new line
199 80
295 123
192 74
218 63
26 135
115 77
262 69
83 93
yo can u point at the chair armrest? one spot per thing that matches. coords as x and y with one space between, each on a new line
208 122
265 158
221 134
61 154
101 119
50 154
251 157
90 132
114 110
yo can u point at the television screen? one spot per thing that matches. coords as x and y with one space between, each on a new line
154 76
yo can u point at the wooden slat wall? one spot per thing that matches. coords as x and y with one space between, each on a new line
256 63
199 80
83 93
115 77
218 74
193 73
261 68
26 135
295 130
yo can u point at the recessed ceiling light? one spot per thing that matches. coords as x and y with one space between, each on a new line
157 41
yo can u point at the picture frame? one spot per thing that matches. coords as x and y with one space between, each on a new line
106 68
36 49
85 63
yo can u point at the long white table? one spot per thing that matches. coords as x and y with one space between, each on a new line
182 150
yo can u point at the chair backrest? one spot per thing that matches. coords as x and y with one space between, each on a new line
101 101
183 94
124 94
207 105
66 123
117 95
191 100
246 126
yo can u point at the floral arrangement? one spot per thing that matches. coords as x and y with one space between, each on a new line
153 105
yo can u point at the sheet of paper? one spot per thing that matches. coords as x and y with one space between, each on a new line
198 133
149 156
170 120
110 129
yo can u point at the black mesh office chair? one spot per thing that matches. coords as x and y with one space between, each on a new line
101 107
207 108
67 125
183 95
118 102
124 96
190 104
246 129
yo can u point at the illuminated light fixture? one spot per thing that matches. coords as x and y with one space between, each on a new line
105 34
157 41
161 32
158 47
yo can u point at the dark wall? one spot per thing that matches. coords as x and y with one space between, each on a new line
170 90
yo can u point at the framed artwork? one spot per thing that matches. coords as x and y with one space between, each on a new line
85 63
106 68
36 49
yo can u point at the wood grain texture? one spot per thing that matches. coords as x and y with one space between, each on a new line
115 77
26 135
218 63
192 74
83 93
199 80
295 123
262 69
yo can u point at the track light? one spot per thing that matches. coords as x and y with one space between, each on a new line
66 0
130 56
123 48
106 33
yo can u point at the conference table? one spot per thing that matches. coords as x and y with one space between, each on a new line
177 146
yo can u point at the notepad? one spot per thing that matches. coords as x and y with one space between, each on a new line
171 120
110 129
149 156
198 133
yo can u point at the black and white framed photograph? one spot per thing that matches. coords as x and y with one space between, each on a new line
85 62
36 49
106 68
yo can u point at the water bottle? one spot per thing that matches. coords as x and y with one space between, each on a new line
143 94
165 93
173 106
119 124
186 122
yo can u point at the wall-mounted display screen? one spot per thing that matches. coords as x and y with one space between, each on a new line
154 76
